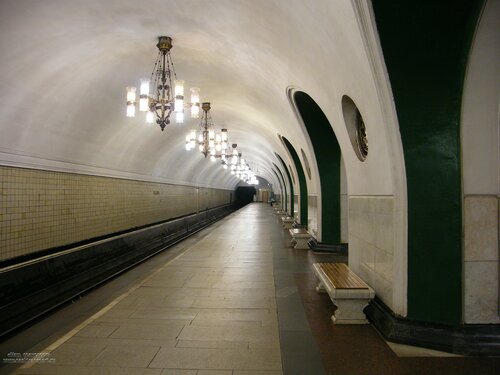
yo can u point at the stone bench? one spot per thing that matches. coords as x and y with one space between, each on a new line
287 222
300 238
346 290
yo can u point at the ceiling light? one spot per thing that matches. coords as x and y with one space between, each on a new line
167 94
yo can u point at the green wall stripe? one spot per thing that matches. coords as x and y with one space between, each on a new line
327 154
289 181
284 186
282 192
425 46
302 182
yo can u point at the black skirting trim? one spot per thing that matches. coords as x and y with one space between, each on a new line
340 248
468 339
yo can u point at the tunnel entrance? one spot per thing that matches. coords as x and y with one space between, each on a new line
243 195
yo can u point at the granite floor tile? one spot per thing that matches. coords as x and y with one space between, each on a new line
179 372
165 343
141 321
243 333
94 330
260 315
165 313
188 358
212 344
125 356
79 370
77 354
234 303
165 331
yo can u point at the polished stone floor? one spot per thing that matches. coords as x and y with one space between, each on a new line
232 299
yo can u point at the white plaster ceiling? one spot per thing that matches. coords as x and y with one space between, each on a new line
65 64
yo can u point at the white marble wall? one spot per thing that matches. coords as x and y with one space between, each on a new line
481 259
371 242
481 171
312 213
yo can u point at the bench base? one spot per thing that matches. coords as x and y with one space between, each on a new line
350 302
301 243
287 223
350 311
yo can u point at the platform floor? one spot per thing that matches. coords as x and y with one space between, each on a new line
233 299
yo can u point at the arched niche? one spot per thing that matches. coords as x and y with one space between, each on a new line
328 158
301 177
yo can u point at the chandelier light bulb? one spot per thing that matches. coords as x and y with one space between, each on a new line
218 147
212 158
188 146
179 96
150 117
223 135
179 117
131 94
143 103
144 96
195 102
211 143
130 110
200 147
144 90
131 97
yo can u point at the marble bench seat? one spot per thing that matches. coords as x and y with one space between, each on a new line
287 222
346 290
300 238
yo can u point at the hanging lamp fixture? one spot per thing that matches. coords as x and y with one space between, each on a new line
210 142
241 169
168 92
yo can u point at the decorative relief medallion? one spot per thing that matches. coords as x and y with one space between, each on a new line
361 139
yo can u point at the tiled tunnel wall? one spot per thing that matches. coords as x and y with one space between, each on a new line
44 209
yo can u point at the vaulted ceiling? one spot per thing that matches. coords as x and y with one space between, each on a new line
65 64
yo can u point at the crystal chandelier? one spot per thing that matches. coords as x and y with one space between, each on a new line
241 169
210 143
166 97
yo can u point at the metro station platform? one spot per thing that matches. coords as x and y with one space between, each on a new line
233 299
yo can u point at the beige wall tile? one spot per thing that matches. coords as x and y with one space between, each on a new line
42 209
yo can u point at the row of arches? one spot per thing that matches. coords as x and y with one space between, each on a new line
434 194
328 158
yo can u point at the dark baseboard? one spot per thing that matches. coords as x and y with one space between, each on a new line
33 288
321 247
469 339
